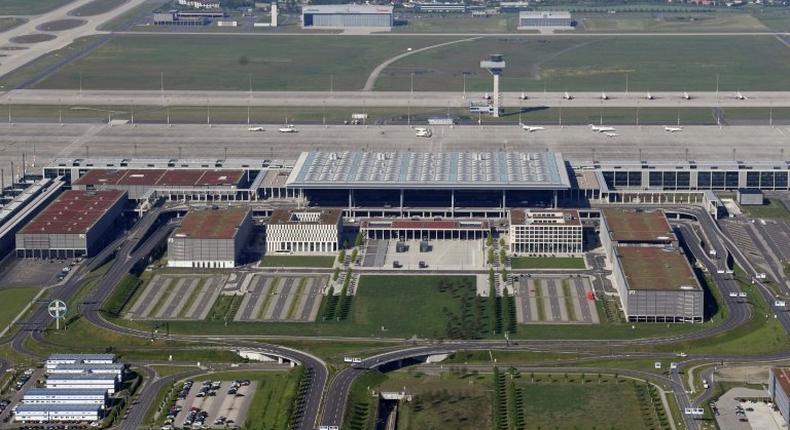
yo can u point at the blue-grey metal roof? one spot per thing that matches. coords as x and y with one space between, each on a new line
429 170
58 407
90 392
82 357
81 376
346 9
87 366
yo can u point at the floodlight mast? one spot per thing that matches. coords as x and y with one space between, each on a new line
495 65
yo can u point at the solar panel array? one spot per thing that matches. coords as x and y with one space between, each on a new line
443 169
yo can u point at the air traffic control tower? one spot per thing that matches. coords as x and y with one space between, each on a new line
495 65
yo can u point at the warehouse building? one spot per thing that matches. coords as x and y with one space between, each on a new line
55 360
651 274
27 413
536 20
545 232
103 381
211 238
347 16
76 396
308 231
77 223
779 387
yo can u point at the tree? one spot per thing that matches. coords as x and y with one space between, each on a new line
243 60
359 239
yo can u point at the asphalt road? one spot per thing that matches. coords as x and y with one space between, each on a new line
402 99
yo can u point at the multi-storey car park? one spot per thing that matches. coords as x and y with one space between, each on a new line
77 223
210 238
652 275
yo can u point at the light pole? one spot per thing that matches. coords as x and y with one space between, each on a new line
411 93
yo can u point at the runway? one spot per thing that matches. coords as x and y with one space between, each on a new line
403 99
17 57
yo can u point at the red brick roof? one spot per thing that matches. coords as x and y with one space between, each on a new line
73 212
783 377
162 177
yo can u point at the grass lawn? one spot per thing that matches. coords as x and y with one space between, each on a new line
14 300
770 209
694 22
283 63
28 7
547 263
594 64
578 405
297 261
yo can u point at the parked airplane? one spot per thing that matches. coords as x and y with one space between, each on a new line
486 96
601 128
673 129
604 96
740 96
650 96
567 96
531 128
523 96
288 128
255 129
686 96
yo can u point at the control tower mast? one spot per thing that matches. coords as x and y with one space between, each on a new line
495 65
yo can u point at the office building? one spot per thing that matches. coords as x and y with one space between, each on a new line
210 238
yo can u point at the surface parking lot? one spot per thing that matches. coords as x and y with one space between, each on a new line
31 272
188 297
443 255
281 298
227 407
555 300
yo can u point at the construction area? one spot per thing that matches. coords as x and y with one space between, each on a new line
173 297
281 298
237 296
555 300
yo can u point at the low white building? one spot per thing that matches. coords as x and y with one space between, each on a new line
77 396
105 381
58 359
200 4
545 232
116 369
60 413
308 231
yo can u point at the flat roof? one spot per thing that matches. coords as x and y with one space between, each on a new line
162 177
632 225
783 376
88 366
347 9
66 392
81 376
656 268
67 356
544 14
73 212
212 223
425 224
60 407
306 216
430 170
545 216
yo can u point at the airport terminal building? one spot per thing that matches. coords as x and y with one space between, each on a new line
342 16
653 277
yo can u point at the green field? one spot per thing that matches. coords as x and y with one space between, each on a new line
28 7
137 62
600 63
577 405
547 263
14 300
297 261
772 208
669 22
